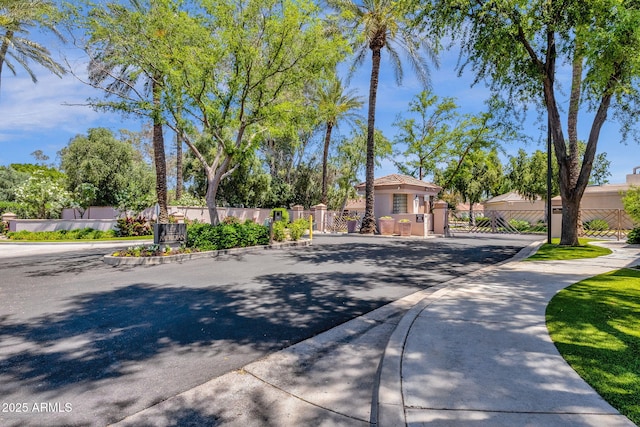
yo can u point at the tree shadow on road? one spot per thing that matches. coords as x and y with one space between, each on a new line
102 335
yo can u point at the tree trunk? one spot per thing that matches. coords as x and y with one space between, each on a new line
179 178
159 155
325 160
570 212
572 181
3 50
210 198
369 222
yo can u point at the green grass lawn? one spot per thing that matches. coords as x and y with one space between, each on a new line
554 251
595 324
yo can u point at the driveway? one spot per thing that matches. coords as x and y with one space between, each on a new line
82 343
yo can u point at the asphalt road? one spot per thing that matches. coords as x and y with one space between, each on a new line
83 343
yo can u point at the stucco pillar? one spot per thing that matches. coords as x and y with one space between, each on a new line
556 217
9 218
297 212
319 213
178 216
440 213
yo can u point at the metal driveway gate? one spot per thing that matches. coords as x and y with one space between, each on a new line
597 223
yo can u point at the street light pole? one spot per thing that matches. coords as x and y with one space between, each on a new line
549 172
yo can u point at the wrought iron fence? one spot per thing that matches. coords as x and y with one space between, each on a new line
504 222
600 223
605 223
336 222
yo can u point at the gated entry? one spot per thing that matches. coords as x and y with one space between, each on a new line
599 223
503 222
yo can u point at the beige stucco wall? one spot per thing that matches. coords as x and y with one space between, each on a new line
383 201
604 197
515 205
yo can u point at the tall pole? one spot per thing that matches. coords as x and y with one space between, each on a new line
549 172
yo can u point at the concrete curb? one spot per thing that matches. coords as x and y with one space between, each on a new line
388 401
157 260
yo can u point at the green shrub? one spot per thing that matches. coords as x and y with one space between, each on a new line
596 225
252 234
285 214
4 227
297 228
228 236
634 236
231 220
202 236
14 207
279 231
130 226
207 237
519 225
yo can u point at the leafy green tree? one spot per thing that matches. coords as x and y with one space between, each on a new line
478 176
264 52
31 168
519 47
248 185
42 197
17 17
334 104
106 163
527 175
83 197
428 137
378 25
631 202
10 179
600 170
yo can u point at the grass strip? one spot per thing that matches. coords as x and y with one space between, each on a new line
106 239
595 324
555 252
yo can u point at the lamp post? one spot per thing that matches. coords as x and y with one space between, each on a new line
549 172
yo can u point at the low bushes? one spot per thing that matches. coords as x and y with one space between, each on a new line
634 236
297 228
520 225
596 225
130 226
230 234
151 250
78 234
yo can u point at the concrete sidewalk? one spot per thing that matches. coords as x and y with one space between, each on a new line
477 352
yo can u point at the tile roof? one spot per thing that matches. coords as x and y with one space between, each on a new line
398 179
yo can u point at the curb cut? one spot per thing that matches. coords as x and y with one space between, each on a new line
388 400
157 260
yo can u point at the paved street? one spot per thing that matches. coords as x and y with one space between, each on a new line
97 343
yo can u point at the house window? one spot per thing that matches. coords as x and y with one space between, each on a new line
399 203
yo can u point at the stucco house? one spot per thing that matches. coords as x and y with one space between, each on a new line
404 197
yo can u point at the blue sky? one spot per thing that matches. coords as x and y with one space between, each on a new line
46 115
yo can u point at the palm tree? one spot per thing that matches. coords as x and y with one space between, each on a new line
111 70
384 24
16 18
334 105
